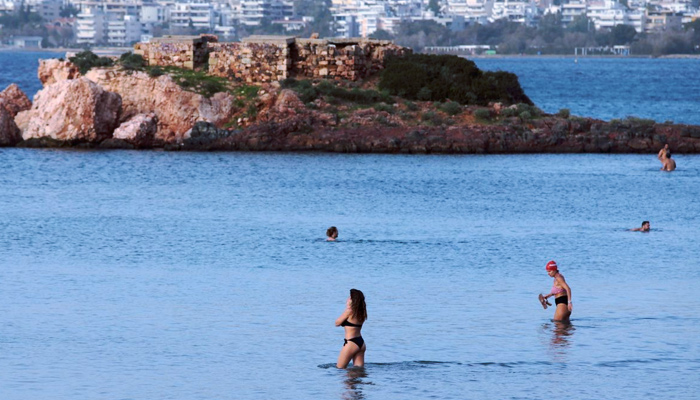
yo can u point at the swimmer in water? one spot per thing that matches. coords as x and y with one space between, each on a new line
669 163
646 227
664 153
351 320
561 292
332 234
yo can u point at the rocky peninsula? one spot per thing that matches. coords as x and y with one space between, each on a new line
133 104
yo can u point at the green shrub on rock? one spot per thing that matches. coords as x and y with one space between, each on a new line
86 60
525 115
564 113
155 72
509 112
436 78
132 62
482 114
451 108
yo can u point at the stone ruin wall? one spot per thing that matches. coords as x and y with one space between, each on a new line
174 51
273 60
250 62
344 60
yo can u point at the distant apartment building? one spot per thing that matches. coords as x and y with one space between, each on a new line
605 14
49 10
199 15
90 27
124 32
571 10
664 20
114 8
8 6
152 14
473 11
521 11
254 11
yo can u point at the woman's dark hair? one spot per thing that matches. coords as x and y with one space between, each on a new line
359 308
644 222
332 230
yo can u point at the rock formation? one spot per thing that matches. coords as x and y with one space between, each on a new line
9 133
12 101
74 111
54 70
139 131
15 99
177 110
157 112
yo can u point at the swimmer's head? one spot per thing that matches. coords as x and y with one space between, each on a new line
552 268
646 226
358 306
332 232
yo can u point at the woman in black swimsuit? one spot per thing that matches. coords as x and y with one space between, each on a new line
351 319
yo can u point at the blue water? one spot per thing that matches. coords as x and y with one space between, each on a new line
607 88
21 68
155 275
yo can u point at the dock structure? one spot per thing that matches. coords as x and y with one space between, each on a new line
602 50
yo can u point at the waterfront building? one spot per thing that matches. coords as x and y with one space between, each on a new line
26 42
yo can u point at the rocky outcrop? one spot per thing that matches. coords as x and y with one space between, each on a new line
15 100
74 111
138 132
12 101
177 110
55 70
9 132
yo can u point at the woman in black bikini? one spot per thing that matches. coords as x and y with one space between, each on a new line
351 319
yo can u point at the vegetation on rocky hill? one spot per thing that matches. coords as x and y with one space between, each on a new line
437 78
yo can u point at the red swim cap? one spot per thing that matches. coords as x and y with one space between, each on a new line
551 266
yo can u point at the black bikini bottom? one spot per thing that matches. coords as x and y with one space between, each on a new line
357 340
561 300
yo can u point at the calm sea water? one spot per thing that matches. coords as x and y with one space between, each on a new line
153 275
607 88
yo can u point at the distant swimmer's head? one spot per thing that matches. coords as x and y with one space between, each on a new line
646 226
358 306
332 233
552 268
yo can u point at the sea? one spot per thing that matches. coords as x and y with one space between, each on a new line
182 275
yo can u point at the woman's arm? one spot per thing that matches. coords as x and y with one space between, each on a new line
343 316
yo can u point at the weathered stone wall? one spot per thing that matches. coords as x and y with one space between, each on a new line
273 58
345 59
250 62
176 51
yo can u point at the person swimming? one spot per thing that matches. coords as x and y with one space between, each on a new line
332 234
561 292
669 164
351 320
646 227
664 153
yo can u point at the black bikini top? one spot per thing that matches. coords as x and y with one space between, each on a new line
348 323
